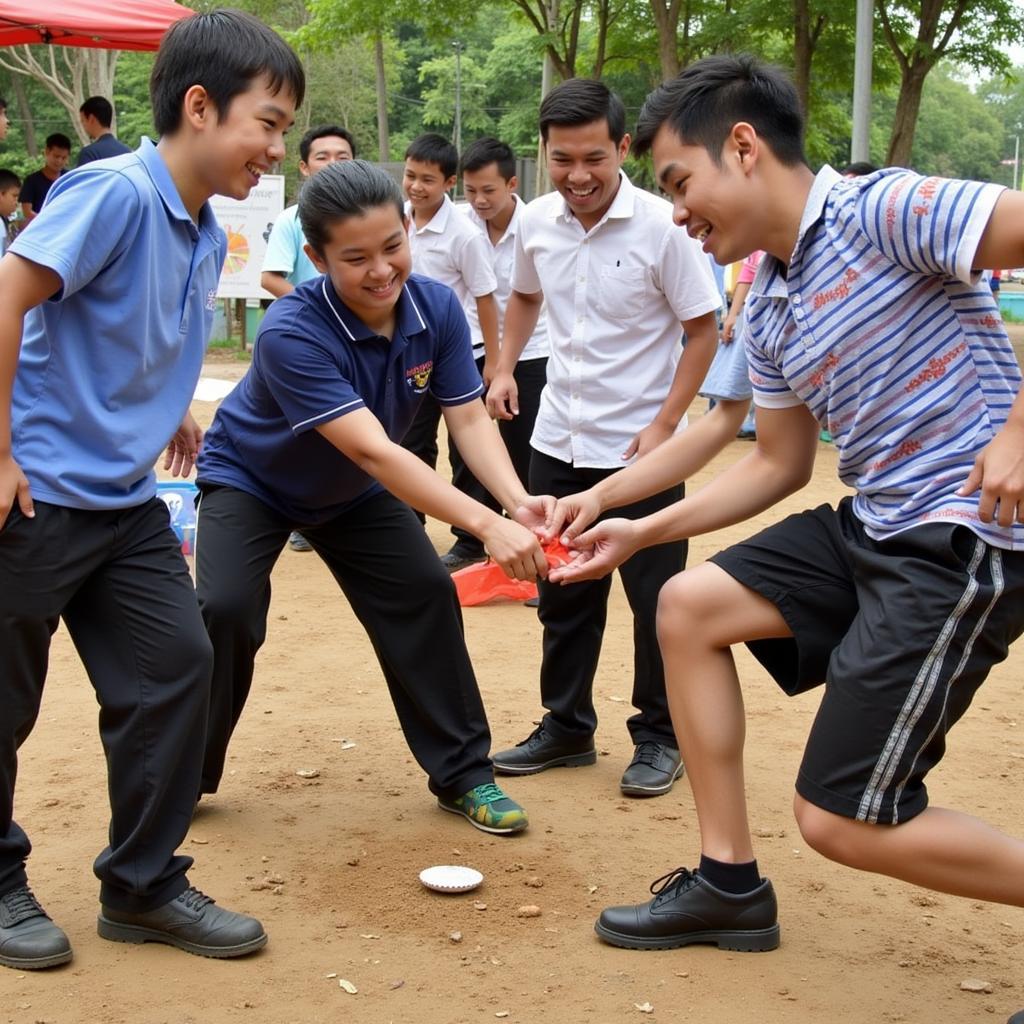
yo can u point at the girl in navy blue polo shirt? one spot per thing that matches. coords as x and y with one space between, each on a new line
310 440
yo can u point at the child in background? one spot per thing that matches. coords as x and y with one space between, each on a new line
10 187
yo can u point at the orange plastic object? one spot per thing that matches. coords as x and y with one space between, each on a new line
486 581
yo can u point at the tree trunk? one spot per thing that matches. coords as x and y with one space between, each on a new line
901 142
805 41
29 125
666 20
383 135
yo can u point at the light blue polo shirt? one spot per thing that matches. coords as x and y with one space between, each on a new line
109 363
285 253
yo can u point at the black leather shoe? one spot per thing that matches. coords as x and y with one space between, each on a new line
28 938
540 751
1017 1018
688 909
458 558
653 770
191 922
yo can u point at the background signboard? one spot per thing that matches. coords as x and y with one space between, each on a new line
248 223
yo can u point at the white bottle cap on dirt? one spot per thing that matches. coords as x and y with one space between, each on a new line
450 878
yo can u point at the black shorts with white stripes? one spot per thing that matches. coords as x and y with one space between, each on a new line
902 632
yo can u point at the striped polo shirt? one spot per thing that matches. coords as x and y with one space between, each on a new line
881 327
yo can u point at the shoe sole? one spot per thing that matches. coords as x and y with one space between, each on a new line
665 787
480 825
761 940
36 963
117 932
569 761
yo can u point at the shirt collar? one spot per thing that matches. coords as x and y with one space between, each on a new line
438 223
621 206
159 174
408 320
769 280
513 225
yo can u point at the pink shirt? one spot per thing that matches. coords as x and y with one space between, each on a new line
749 268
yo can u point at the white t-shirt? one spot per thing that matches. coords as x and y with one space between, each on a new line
615 297
450 250
504 254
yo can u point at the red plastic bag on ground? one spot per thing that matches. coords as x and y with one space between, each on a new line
486 581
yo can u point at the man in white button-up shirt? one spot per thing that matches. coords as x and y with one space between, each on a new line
621 285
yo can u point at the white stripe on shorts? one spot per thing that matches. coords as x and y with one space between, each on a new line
918 698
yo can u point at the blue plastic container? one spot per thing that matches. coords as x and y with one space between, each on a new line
180 498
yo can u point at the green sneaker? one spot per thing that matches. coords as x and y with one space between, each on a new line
487 808
826 437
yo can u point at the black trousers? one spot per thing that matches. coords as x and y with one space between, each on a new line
387 568
530 376
120 584
574 618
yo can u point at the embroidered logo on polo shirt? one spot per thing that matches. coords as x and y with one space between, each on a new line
211 299
418 377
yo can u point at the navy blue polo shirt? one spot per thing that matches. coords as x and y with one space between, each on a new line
313 361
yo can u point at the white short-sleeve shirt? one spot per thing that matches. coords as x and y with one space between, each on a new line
450 250
503 254
615 297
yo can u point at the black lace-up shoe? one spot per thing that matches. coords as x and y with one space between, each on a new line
540 751
653 770
1017 1018
29 940
688 909
192 922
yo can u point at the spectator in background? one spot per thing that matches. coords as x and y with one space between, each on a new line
3 119
97 115
10 188
37 184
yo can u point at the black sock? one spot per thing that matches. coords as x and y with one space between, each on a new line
733 878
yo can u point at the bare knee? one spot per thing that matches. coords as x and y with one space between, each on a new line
833 836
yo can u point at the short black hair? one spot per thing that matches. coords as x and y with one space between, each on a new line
482 152
222 51
432 148
8 179
58 140
99 107
858 168
346 188
3 103
703 102
582 101
322 131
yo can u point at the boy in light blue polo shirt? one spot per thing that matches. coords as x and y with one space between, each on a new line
108 298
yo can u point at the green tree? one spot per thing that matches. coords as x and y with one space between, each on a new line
920 33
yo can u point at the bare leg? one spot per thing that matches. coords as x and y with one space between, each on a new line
701 613
939 849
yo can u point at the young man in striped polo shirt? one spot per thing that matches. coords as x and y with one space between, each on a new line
868 316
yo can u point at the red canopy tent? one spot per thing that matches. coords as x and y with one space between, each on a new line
103 24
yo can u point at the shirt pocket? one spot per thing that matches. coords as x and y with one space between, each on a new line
622 292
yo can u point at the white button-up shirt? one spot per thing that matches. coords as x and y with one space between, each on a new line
615 297
503 253
450 250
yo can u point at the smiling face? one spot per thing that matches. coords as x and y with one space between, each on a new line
714 202
425 185
326 150
368 260
584 163
238 148
488 192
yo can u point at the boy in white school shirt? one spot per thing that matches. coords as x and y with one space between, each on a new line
621 285
448 249
489 182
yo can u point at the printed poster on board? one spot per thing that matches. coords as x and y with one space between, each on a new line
248 223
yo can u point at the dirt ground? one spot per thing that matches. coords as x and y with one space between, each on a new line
330 864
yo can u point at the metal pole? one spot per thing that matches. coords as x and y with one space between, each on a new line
860 143
457 46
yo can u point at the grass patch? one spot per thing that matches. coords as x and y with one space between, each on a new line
228 350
